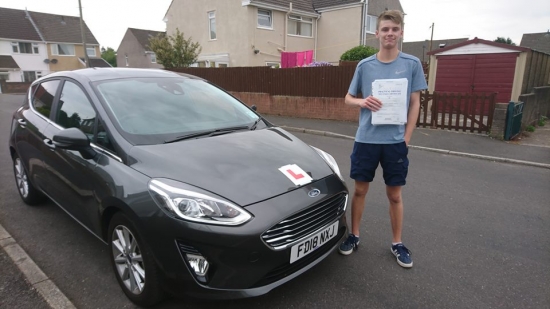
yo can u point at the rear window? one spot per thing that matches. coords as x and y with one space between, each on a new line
42 99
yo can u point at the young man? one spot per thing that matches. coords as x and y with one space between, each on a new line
386 144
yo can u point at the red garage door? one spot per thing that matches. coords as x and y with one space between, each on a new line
477 74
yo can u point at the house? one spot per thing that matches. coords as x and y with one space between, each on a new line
420 49
39 44
537 41
134 51
257 32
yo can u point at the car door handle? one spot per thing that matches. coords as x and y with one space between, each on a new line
22 122
49 143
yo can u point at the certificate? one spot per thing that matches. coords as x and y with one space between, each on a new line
393 94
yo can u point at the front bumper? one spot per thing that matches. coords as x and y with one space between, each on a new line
242 264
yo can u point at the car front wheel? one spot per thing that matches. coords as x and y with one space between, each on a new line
133 263
29 194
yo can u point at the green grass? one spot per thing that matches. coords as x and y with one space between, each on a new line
530 129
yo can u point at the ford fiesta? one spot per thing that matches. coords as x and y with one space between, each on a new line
193 192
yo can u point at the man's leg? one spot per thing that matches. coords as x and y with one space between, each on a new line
396 211
358 205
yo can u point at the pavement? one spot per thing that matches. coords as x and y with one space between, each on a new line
24 285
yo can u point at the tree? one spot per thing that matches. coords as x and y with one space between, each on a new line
358 53
175 51
109 55
505 41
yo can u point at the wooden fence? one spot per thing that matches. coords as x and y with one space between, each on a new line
457 111
327 82
537 71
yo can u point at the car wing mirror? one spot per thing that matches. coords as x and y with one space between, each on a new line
74 139
254 108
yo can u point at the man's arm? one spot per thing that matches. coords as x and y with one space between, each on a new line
370 102
412 117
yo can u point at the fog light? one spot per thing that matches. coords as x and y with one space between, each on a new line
198 263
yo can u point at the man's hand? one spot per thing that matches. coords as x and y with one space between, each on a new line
371 103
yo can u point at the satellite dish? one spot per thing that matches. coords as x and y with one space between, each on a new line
46 60
54 61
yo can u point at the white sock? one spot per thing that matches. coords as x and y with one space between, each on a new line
395 243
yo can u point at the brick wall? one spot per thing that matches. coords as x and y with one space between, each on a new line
499 121
13 87
301 107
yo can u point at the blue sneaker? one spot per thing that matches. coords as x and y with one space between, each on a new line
403 255
349 245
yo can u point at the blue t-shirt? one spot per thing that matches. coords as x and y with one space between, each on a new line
369 70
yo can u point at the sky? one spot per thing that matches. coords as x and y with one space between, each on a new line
485 19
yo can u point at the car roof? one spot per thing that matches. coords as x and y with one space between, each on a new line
98 74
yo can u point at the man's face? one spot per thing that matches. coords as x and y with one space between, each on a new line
388 34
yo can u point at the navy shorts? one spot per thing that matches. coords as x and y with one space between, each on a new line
392 157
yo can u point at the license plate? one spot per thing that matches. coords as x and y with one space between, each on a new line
314 242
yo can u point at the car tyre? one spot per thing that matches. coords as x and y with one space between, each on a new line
133 263
29 194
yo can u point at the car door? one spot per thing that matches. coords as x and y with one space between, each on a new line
33 119
70 176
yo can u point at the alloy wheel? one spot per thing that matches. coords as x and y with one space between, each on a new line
21 178
128 259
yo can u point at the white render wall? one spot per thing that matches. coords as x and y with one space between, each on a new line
26 62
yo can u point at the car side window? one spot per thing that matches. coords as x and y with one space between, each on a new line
42 99
75 110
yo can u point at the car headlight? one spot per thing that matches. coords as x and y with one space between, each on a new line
330 161
195 206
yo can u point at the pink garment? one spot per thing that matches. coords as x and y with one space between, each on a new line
284 60
291 60
300 58
309 57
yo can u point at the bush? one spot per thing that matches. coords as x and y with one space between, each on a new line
358 53
530 129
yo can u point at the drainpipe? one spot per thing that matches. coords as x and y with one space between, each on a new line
364 22
286 23
316 37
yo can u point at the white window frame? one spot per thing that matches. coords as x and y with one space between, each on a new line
212 18
25 80
38 74
272 64
16 48
217 64
89 54
300 20
153 58
126 58
55 49
370 26
269 15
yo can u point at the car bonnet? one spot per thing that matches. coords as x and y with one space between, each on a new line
244 167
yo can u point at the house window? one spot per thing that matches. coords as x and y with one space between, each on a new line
90 51
63 49
264 19
371 24
126 57
274 65
298 25
29 76
4 75
212 24
153 58
38 74
24 48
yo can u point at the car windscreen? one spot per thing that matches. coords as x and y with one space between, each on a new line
154 110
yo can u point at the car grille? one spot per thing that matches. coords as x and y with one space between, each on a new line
305 222
287 269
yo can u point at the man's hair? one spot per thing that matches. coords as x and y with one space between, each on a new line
393 15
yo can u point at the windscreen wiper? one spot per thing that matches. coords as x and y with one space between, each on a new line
253 126
206 133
